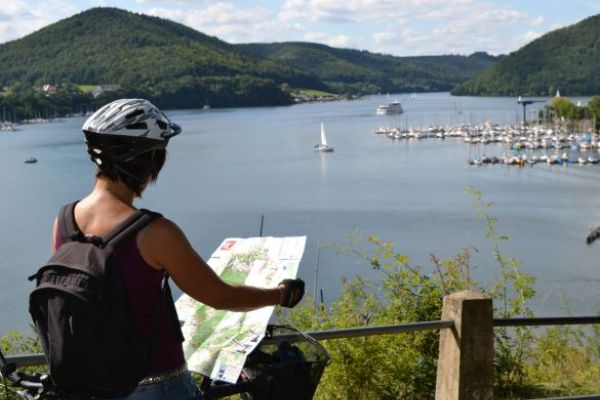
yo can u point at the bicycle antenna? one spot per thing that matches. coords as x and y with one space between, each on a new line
262 222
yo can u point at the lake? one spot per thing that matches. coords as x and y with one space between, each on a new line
232 166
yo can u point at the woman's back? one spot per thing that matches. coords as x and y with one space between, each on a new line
97 216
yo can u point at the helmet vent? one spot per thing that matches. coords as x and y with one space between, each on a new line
139 125
161 124
134 114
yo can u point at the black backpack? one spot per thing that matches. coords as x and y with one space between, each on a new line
83 316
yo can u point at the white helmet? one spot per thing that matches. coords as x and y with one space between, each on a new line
132 117
126 128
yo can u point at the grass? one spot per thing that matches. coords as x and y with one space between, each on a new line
312 92
86 88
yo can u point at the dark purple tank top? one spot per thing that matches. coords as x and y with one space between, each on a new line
144 287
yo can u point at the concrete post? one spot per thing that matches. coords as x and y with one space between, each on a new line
466 358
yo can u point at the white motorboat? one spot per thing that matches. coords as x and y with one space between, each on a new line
382 130
322 146
393 108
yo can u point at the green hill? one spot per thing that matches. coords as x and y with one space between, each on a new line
158 58
567 59
355 71
178 67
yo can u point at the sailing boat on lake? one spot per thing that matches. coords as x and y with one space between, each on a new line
323 145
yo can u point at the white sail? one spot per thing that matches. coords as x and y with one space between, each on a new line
323 138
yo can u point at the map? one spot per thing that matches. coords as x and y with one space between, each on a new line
217 342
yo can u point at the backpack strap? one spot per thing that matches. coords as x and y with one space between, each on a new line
68 230
66 226
130 226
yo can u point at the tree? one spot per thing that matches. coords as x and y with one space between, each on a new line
594 110
563 107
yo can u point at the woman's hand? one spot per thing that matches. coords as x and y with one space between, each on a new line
292 291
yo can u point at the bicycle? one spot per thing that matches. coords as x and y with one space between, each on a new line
275 369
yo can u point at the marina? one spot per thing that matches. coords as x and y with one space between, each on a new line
522 145
8 127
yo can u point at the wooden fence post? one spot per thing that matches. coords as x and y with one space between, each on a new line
466 357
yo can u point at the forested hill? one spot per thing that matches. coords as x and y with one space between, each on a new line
149 56
567 59
355 71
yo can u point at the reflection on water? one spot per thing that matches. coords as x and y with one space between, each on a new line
323 156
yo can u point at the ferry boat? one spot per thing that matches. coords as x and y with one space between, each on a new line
392 108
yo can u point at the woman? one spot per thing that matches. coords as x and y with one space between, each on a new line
127 140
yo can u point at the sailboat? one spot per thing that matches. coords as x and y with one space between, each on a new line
323 145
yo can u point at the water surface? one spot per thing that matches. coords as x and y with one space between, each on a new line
231 166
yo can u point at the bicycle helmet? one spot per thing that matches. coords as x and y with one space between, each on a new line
126 128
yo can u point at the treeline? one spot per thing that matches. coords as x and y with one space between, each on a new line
171 64
178 67
572 116
21 101
567 59
361 72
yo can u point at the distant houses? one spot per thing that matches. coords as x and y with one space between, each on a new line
104 88
95 90
50 89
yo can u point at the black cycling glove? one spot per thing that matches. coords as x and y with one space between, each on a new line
293 290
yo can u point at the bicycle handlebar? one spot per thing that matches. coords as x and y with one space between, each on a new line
40 385
34 385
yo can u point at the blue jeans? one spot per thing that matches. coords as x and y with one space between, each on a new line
181 387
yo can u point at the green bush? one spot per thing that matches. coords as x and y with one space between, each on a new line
403 366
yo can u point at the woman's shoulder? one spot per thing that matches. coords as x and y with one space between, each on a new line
160 237
160 233
161 227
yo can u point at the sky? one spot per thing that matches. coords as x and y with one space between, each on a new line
397 27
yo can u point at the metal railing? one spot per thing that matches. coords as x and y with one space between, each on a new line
26 360
39 359
363 332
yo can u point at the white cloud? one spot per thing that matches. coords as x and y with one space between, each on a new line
225 20
538 21
434 26
219 14
19 18
407 27
384 37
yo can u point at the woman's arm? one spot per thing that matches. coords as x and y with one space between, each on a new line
163 245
